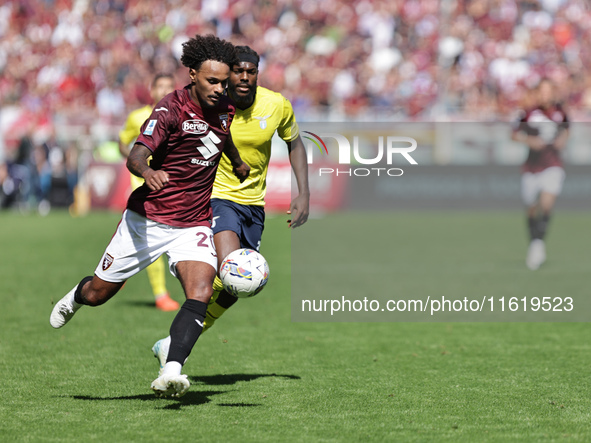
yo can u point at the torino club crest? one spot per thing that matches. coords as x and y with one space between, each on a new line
224 122
107 261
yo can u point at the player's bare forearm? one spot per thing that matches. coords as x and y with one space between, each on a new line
560 142
241 169
232 152
137 163
532 141
300 206
124 149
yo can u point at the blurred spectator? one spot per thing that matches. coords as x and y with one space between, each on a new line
387 59
9 186
71 70
40 175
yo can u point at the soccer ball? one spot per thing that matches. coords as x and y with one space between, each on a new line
244 273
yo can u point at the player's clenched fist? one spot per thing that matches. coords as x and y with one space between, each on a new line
242 172
156 180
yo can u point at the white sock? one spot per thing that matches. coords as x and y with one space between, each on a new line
73 301
172 368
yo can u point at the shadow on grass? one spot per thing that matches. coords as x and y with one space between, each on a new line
230 379
139 303
191 398
238 405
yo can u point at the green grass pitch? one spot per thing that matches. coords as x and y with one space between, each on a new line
256 376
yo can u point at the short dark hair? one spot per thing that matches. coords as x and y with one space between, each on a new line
162 75
247 50
202 48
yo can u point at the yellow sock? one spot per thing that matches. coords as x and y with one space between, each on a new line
214 311
217 285
157 277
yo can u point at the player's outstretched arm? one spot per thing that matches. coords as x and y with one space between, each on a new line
137 163
241 169
300 206
560 142
532 141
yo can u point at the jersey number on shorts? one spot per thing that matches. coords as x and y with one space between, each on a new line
202 241
209 147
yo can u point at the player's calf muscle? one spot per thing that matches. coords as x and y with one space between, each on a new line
97 291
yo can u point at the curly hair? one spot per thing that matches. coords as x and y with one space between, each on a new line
209 47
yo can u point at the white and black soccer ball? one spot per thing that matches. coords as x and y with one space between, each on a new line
244 273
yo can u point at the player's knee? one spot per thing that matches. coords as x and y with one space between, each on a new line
202 292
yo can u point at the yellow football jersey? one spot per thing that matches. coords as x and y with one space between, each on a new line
252 130
131 130
134 122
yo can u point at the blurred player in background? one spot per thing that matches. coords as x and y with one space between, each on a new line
162 85
544 129
171 212
238 208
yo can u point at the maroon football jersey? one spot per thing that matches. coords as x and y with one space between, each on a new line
187 142
546 123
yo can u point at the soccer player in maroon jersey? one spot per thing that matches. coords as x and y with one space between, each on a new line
544 128
170 213
238 208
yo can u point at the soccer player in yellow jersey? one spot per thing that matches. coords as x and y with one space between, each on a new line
238 208
162 85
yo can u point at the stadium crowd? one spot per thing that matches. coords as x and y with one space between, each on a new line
82 63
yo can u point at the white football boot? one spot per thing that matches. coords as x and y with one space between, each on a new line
536 254
170 385
64 310
160 350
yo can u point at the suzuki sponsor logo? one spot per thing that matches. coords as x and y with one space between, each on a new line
198 161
